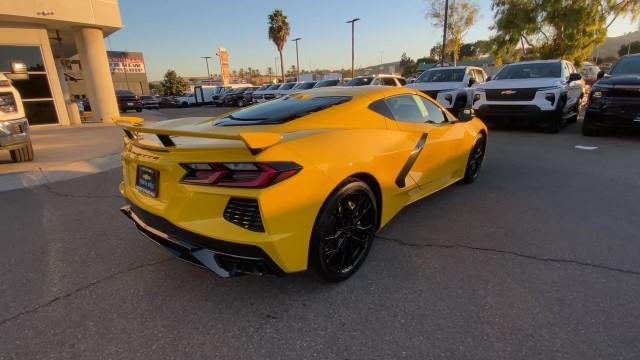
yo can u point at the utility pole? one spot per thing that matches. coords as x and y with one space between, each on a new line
444 31
297 59
206 59
353 21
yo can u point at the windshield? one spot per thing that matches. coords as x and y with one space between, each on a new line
273 87
287 86
124 93
530 71
441 75
305 86
325 83
281 110
360 81
626 66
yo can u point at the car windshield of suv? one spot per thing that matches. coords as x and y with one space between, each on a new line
263 87
281 110
530 71
273 87
325 83
360 81
627 66
441 75
287 86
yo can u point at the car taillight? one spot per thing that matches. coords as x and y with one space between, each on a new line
240 174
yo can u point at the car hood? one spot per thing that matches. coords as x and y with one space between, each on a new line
436 85
521 83
622 80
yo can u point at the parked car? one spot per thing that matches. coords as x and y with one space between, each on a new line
14 126
589 73
326 83
282 196
186 100
544 92
382 80
451 86
236 97
286 89
128 100
270 92
258 94
614 100
150 102
169 101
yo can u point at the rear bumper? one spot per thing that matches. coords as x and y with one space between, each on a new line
224 258
14 134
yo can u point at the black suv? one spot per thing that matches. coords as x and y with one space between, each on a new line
127 100
614 100
236 97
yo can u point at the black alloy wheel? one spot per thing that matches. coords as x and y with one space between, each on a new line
474 163
344 231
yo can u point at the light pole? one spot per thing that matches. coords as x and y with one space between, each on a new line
352 21
206 59
297 59
444 31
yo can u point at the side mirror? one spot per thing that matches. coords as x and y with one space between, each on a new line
574 77
466 114
488 78
600 74
472 81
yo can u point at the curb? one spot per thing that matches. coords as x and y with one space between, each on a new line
58 173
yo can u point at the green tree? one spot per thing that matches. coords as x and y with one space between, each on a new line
554 29
436 52
278 33
462 15
631 48
173 85
475 50
408 66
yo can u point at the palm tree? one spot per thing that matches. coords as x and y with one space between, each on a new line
278 33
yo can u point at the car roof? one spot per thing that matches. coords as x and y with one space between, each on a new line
371 91
451 67
537 62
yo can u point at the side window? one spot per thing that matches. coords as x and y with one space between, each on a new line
381 108
434 113
412 108
565 70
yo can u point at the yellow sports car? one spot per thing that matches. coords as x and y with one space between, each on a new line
304 181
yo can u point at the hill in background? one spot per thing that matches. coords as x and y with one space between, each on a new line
611 46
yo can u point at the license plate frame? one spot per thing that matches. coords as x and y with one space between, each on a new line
147 180
129 104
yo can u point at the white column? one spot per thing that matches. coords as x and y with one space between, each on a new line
97 76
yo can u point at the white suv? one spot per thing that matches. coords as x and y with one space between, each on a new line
14 126
451 86
545 92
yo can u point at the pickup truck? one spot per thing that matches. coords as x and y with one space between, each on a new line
14 126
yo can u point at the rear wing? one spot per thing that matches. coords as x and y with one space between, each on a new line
255 141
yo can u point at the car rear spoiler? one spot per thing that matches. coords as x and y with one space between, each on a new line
255 141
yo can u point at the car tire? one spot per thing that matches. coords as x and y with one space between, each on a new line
343 232
474 162
587 127
185 104
22 154
554 123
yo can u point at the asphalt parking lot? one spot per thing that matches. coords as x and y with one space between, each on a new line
536 260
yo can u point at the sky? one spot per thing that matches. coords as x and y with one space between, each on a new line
175 34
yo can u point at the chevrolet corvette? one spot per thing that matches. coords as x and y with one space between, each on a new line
301 182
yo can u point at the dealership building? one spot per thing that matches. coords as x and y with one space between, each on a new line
62 44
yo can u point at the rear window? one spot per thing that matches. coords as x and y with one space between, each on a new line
361 81
281 110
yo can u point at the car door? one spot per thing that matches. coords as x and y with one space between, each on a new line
436 164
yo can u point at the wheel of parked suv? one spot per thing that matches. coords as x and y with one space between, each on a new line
22 154
474 162
344 231
555 120
587 127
